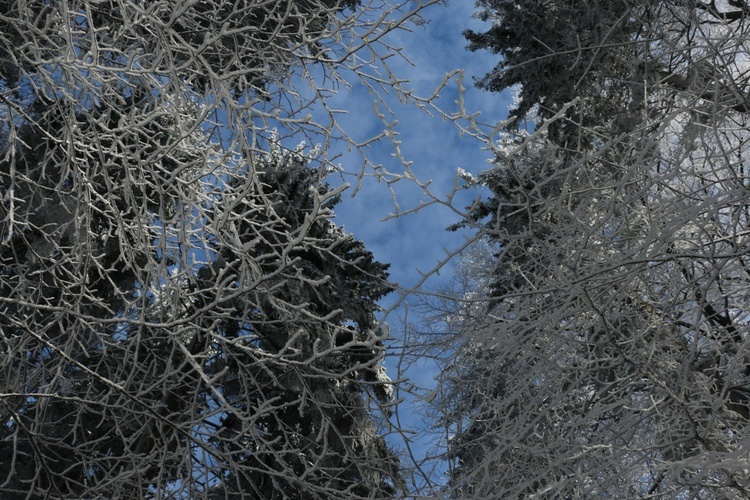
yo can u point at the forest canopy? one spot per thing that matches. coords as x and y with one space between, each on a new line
604 351
182 315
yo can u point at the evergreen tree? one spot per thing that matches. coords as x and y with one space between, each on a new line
306 337
611 358
179 314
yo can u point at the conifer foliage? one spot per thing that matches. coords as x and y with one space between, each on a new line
180 317
612 357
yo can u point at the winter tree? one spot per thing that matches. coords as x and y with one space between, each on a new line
179 314
611 357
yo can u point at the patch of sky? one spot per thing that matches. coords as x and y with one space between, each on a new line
434 151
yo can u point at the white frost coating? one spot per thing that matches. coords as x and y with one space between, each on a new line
601 349
174 293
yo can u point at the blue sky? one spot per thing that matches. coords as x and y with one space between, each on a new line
419 241
434 145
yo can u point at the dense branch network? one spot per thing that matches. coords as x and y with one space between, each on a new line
607 353
179 314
